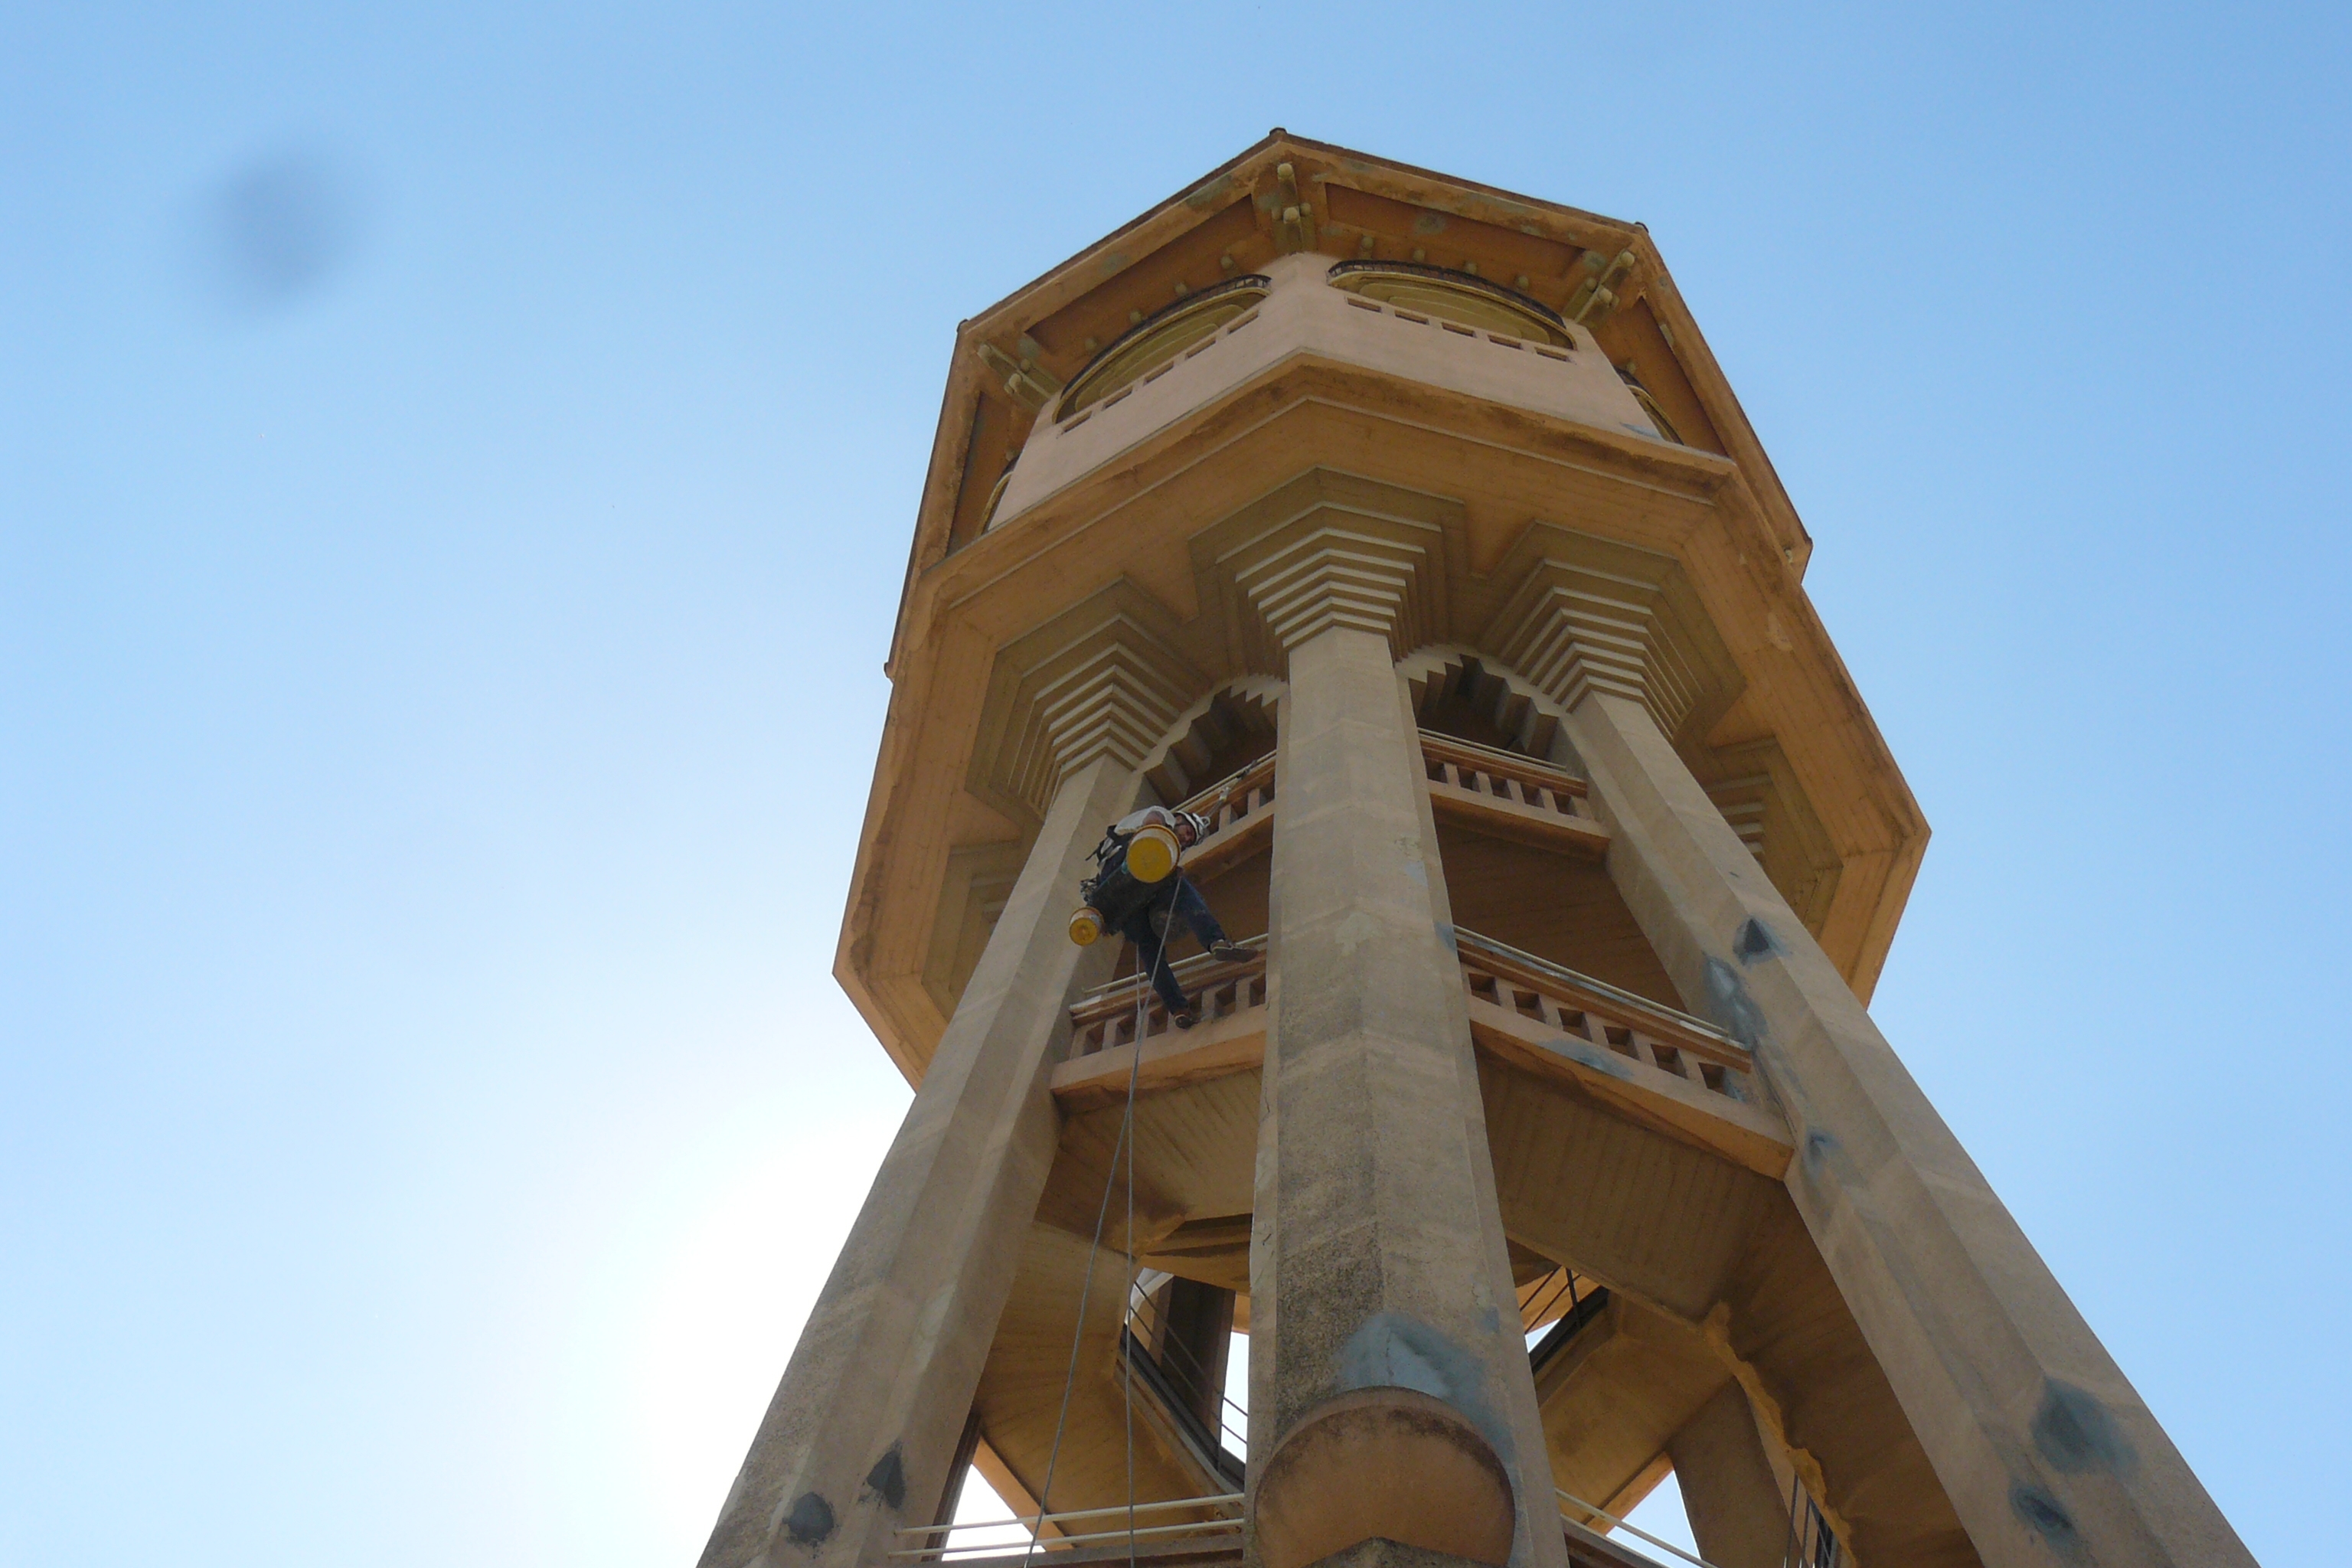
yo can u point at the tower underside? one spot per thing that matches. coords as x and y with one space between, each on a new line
1540 1144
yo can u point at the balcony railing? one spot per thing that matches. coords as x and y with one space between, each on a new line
1594 1011
1550 995
1668 1069
1240 809
1518 794
1116 1014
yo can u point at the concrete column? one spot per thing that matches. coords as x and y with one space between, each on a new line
859 1439
1390 1390
1738 1514
2046 1452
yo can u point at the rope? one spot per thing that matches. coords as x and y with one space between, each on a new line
1086 1286
1198 1377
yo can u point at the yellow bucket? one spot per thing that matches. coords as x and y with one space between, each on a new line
1085 926
1151 853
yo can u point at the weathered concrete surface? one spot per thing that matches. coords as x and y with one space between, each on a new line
859 1437
2046 1452
1379 1259
1738 1515
1379 1551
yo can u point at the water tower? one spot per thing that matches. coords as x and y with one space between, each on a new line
1542 1143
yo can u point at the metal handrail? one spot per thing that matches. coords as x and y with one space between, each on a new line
1671 1021
1032 1521
1237 783
1551 775
1198 1375
1617 1523
946 1551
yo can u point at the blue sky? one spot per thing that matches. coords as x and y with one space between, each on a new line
455 467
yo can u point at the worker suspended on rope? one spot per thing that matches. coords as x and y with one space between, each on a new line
1142 892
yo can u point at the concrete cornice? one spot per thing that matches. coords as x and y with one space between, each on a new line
1232 215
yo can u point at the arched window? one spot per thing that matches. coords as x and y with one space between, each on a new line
1159 338
1461 297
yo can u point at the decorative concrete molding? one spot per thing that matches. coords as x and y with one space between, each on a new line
1327 550
1757 790
979 880
1233 719
1101 679
1592 615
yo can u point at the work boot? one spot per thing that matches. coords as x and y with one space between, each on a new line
1186 1018
1231 953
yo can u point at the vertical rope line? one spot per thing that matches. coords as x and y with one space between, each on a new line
1086 1285
1127 1355
1077 1334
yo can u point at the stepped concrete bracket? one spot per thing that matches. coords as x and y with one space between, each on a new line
859 1437
1325 551
1589 615
1102 680
2048 1455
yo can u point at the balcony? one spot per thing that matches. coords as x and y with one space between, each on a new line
1511 796
1658 1067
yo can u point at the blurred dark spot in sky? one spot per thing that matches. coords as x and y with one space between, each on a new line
280 228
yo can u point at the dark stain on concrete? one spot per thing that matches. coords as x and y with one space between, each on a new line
810 1521
2073 1431
1391 1349
1445 935
1208 192
887 1479
2046 1517
1586 1054
1731 1009
1821 1148
1756 942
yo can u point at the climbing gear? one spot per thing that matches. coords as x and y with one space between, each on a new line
1120 888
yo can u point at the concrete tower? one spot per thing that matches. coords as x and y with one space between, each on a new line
1410 529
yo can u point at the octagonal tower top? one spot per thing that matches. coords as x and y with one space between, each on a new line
1505 408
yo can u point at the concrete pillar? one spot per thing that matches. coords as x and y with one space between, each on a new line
2046 1452
1738 1514
1390 1390
860 1434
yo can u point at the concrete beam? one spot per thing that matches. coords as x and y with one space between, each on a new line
1738 1514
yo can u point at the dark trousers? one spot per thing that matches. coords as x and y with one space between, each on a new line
1149 927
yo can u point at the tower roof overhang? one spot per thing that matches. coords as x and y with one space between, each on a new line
1121 545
